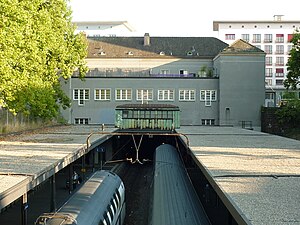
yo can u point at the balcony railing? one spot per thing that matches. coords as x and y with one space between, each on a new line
141 73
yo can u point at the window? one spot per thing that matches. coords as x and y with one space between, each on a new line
279 38
245 37
269 61
208 122
279 61
127 72
165 95
258 46
164 71
123 94
102 94
187 95
229 36
183 72
279 49
289 48
269 72
279 82
208 96
279 72
81 95
290 37
81 121
268 38
144 94
268 49
269 82
269 96
256 38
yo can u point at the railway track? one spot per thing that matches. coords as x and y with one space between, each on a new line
138 180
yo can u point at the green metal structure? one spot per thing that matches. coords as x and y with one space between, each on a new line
147 116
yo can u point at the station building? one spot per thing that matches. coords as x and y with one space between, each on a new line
211 82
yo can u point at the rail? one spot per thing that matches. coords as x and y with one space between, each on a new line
88 144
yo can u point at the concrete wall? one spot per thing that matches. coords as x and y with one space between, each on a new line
98 112
241 88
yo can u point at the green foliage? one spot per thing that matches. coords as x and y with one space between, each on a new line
289 114
294 63
38 48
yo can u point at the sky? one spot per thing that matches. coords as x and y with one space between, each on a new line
180 17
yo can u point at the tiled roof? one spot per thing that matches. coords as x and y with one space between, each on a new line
133 47
241 46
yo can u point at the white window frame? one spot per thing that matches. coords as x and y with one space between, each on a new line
81 95
102 94
269 72
208 96
269 49
165 94
229 36
144 95
81 121
187 95
256 38
279 49
208 122
164 71
246 37
183 72
268 38
123 94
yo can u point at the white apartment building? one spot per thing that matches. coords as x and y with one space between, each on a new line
273 37
105 28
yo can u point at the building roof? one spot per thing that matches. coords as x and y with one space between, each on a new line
133 47
99 23
241 46
217 23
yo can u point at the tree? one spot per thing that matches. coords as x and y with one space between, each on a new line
38 49
289 114
293 64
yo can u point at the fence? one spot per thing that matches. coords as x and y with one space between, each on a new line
14 123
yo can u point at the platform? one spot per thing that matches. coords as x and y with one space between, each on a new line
28 160
256 175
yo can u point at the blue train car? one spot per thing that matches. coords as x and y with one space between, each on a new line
175 200
99 201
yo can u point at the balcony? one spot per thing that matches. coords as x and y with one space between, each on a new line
139 73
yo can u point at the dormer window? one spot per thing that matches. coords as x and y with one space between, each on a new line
102 53
162 53
130 53
189 53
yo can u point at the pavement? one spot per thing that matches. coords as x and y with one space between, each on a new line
29 159
258 174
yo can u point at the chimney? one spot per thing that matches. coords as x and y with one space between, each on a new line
146 39
278 17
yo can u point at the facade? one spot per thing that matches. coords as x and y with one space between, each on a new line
200 75
104 28
273 37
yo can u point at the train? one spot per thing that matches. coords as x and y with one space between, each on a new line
99 201
175 200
